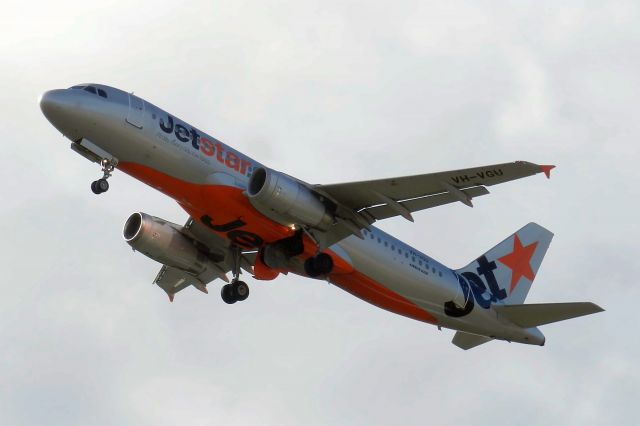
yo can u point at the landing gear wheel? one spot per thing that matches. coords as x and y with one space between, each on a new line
227 294
322 264
101 185
240 290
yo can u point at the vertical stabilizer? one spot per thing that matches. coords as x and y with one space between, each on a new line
508 269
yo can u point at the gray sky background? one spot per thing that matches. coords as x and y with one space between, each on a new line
327 91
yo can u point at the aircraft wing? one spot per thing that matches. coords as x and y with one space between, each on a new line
173 280
359 204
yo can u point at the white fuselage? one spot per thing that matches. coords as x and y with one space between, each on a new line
136 133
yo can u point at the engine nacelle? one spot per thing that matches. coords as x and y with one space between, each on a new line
161 241
286 200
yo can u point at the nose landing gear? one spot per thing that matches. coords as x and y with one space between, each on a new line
101 185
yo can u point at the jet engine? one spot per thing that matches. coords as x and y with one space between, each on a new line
287 200
163 242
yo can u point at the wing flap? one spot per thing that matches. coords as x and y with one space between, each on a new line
358 195
385 211
173 280
360 204
216 248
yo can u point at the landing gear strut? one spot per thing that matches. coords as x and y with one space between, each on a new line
101 185
237 290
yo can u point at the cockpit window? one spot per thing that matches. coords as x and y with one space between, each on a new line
92 89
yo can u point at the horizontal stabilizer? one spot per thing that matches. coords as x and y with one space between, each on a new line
533 315
467 340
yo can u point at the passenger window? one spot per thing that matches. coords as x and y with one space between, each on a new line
372 237
386 244
433 270
393 248
379 240
102 93
420 263
406 254
90 89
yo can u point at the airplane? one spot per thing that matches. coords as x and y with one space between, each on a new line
246 216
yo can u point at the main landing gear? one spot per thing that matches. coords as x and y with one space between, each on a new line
101 185
237 290
320 264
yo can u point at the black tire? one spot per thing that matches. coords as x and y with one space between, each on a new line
102 185
94 187
322 264
240 290
309 268
228 295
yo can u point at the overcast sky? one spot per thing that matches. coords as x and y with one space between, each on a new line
327 91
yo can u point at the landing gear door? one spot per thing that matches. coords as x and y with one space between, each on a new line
135 114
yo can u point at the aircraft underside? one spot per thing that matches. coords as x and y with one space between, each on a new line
245 216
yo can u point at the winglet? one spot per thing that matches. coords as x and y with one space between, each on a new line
546 169
170 296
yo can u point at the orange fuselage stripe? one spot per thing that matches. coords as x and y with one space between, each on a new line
227 203
375 293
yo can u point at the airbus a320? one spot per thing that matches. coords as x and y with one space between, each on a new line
246 216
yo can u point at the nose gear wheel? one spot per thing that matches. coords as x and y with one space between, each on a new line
101 185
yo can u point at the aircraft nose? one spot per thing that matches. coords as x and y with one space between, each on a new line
52 102
63 109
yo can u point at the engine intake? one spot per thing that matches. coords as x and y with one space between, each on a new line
287 200
163 242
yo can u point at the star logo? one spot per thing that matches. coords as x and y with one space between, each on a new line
519 262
